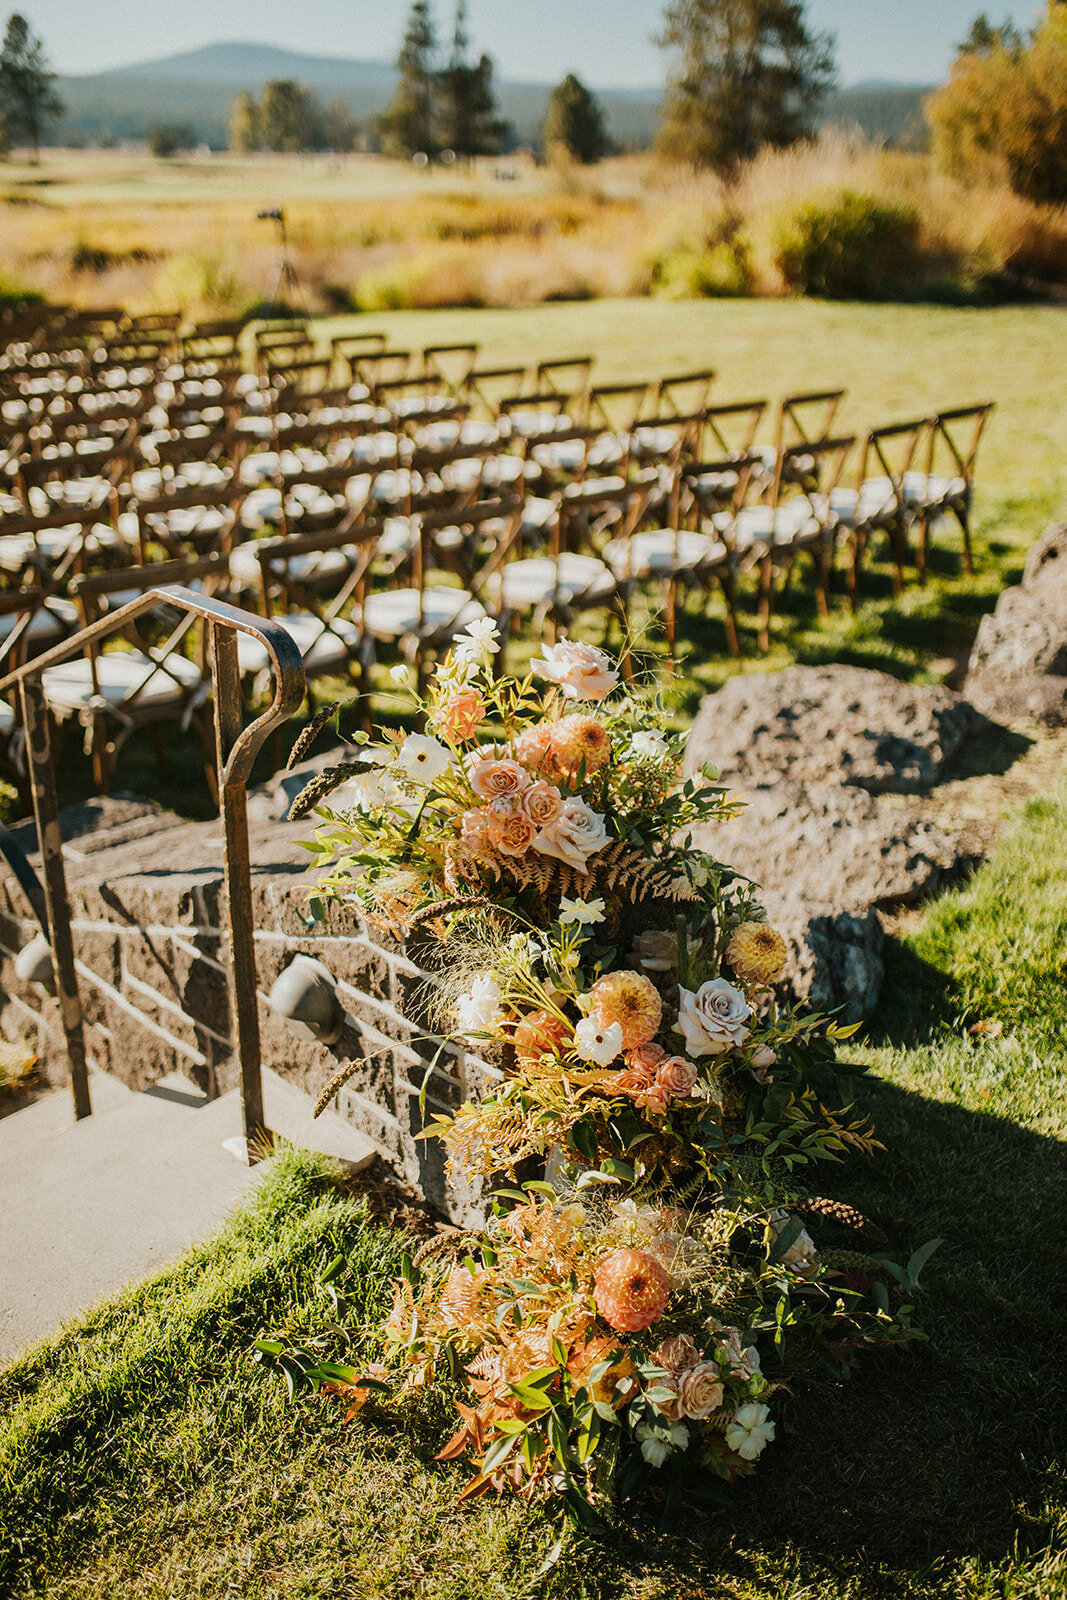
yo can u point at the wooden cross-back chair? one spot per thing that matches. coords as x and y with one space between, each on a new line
212 341
372 368
944 485
188 522
486 387
421 619
877 502
567 375
683 392
145 681
615 406
304 374
574 575
673 436
451 365
48 550
30 622
224 446
345 347
772 531
731 427
794 423
569 454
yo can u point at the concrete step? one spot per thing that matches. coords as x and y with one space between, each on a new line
90 1206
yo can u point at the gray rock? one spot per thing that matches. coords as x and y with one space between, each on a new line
824 845
834 723
1018 667
835 957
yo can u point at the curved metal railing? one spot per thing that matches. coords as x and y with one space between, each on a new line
236 749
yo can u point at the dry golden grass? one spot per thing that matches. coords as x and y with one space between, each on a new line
98 228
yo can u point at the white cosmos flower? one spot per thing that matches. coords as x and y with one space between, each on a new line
655 1450
584 913
401 675
423 759
649 746
478 643
478 1009
599 1045
748 1431
367 791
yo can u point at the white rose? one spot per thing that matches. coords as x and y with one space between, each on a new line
748 1431
649 746
423 759
576 834
600 1045
582 671
478 1009
713 1019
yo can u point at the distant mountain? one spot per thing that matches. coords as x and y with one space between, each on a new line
199 86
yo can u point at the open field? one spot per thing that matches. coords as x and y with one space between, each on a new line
106 227
145 1454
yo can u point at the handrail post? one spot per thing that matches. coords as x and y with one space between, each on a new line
233 804
57 901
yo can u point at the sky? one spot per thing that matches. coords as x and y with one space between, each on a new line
608 42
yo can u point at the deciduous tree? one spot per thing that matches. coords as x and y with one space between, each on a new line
745 73
574 123
28 102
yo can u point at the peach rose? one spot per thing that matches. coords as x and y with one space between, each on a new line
676 1354
474 828
507 826
700 1391
582 671
633 1081
575 835
542 803
459 717
646 1058
494 780
677 1077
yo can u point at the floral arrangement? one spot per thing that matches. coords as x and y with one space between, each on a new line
646 1272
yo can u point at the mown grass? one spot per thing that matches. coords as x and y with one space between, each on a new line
144 1454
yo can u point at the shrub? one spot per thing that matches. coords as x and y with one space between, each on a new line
850 247
197 280
705 263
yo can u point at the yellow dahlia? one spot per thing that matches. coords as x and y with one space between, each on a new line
630 1290
631 1000
577 739
756 952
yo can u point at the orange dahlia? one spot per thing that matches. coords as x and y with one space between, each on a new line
630 1290
756 952
577 739
631 1000
533 749
539 1034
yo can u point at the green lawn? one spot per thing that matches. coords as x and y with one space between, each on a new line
146 1455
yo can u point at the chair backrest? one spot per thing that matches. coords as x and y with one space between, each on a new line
714 492
891 451
451 364
616 405
375 367
212 340
188 538
569 376
732 427
804 417
488 386
954 439
812 469
683 391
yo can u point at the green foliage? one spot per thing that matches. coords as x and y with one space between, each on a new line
574 124
850 247
1005 107
28 102
710 263
15 293
165 139
407 126
746 73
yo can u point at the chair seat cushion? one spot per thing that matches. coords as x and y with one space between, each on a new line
120 675
540 579
394 613
658 552
53 620
323 649
934 489
765 525
245 569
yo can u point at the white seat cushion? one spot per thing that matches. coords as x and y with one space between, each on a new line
120 674
919 489
53 620
540 580
245 568
394 613
322 650
7 719
660 551
762 525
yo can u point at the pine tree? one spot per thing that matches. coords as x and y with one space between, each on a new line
469 124
747 73
408 125
574 123
28 101
984 38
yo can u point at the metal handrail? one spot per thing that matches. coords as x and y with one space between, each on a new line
236 750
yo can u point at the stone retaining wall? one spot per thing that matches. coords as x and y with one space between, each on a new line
148 903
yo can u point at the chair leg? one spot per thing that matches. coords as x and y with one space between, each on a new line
101 763
963 517
855 563
729 594
766 600
923 547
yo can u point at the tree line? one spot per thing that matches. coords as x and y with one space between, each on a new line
742 75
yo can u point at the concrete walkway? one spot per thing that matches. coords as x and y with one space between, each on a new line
89 1206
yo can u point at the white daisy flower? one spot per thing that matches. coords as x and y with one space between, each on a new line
596 1044
584 913
423 759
